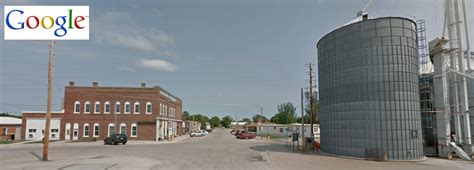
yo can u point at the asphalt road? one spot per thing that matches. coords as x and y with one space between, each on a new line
219 150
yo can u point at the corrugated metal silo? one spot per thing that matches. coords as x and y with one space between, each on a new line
368 78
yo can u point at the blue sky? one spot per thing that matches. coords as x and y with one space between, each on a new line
221 57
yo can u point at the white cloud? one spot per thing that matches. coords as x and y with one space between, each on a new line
156 64
109 28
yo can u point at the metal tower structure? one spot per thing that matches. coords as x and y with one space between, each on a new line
452 68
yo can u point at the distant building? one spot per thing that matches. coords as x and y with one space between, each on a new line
10 128
237 125
192 126
141 113
282 130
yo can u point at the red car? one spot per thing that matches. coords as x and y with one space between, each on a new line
246 135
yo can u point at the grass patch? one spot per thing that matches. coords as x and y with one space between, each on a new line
6 142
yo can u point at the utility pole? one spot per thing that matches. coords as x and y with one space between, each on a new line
48 102
302 121
311 112
260 121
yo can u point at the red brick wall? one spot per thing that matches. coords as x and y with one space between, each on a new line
11 129
145 131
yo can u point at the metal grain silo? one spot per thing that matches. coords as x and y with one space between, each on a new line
369 98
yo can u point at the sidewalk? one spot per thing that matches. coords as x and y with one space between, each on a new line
99 142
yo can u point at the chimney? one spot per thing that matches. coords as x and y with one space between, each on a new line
95 84
71 83
143 84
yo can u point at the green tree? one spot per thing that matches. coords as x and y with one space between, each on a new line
215 122
247 120
285 115
256 118
226 121
315 109
199 118
185 115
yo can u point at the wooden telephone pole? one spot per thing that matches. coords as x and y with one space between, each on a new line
48 102
311 112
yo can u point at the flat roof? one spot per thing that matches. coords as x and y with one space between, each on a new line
10 121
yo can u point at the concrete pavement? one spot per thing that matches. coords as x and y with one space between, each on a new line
219 150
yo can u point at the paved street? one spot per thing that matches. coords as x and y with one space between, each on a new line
218 150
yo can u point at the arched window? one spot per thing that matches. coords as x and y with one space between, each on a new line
107 107
77 107
148 107
86 130
137 108
123 128
127 108
97 108
117 107
133 131
96 130
111 129
87 107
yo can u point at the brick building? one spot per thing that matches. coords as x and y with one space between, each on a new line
10 128
142 113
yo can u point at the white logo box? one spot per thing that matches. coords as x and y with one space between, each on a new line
16 18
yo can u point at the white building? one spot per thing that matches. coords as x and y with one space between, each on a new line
287 129
35 129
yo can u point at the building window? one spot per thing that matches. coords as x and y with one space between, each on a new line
54 130
32 130
117 108
281 130
123 128
148 108
77 107
87 107
165 109
107 107
86 130
161 109
134 130
111 129
127 107
96 130
137 108
5 131
97 107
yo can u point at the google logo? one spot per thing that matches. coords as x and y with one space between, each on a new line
46 22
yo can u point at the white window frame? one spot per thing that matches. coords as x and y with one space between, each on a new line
119 108
96 125
105 107
87 103
97 106
131 130
108 128
84 130
125 108
77 103
148 111
123 125
135 108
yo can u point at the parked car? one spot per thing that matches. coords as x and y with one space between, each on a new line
114 139
237 133
205 132
246 135
198 133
